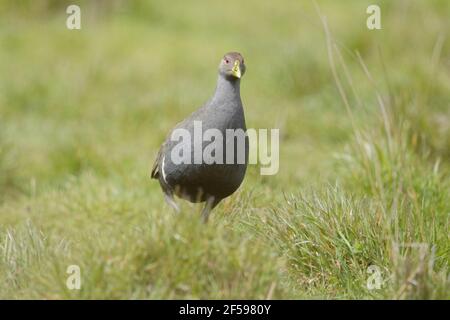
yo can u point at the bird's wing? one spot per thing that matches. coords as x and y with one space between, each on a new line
182 124
156 165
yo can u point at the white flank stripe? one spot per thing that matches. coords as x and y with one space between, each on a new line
162 170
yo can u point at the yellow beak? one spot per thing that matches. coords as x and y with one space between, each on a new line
236 71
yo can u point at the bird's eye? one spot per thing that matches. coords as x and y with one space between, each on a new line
226 60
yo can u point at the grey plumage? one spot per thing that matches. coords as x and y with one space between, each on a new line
203 182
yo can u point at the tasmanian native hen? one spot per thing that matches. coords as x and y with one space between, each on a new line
215 152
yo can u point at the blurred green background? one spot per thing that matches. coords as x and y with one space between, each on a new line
83 112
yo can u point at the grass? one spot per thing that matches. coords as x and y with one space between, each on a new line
364 151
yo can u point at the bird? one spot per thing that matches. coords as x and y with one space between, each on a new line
208 182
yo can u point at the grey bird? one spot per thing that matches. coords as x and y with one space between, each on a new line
205 181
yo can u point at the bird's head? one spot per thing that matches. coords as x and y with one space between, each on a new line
232 65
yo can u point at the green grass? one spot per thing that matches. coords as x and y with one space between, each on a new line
364 171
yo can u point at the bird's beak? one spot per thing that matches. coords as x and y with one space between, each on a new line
236 71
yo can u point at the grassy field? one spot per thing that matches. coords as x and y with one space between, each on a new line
364 119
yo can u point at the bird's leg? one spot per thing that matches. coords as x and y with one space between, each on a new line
171 202
211 202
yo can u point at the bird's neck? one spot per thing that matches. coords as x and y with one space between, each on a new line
226 90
